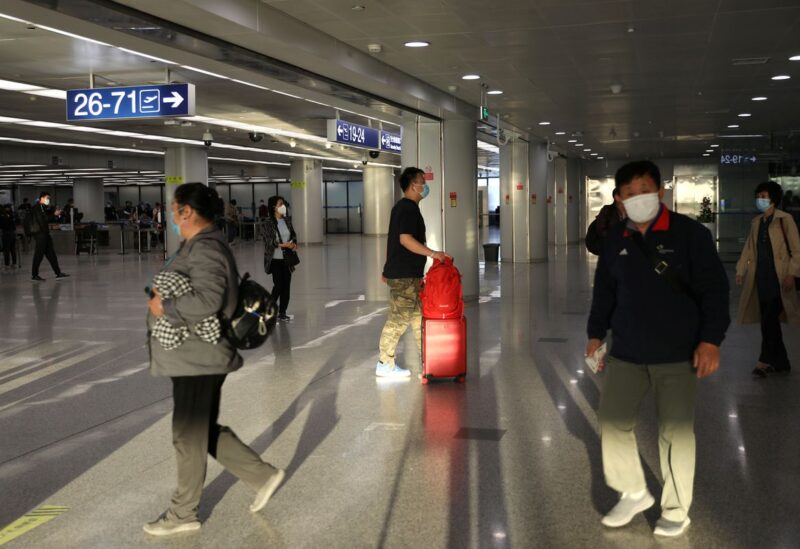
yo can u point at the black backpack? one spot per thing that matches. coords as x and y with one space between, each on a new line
254 318
594 240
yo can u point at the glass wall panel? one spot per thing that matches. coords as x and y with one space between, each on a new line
243 194
129 193
355 203
335 205
151 194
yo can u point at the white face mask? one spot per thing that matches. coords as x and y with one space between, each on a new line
642 208
46 201
281 209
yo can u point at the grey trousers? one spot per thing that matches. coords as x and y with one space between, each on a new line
675 387
195 433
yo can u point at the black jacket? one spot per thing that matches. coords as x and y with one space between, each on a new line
272 238
40 220
653 322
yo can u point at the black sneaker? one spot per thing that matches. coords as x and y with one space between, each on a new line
284 318
61 276
37 278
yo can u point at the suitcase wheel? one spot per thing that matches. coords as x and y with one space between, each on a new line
461 379
424 381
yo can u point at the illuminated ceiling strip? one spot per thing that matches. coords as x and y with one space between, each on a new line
254 128
487 147
79 37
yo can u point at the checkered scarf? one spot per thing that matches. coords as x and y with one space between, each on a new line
170 285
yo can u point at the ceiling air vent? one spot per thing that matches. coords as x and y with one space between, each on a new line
750 61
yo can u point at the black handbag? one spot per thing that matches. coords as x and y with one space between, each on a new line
290 257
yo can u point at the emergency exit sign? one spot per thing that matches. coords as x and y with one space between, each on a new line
484 114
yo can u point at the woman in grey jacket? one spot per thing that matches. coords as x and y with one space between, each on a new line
198 361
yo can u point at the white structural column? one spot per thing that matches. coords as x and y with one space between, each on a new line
379 185
558 198
573 201
306 205
89 199
515 198
460 200
447 152
538 199
181 165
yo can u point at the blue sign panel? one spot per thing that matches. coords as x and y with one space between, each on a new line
340 131
131 102
391 142
741 158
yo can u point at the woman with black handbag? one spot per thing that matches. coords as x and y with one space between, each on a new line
280 252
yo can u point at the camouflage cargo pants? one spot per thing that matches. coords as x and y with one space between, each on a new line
404 311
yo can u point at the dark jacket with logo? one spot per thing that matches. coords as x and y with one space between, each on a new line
651 320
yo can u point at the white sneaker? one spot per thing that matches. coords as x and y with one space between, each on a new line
670 528
628 507
391 370
266 491
163 526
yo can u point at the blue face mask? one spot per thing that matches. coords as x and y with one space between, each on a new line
175 228
763 204
426 190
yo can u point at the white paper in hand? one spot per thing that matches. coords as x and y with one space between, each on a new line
593 362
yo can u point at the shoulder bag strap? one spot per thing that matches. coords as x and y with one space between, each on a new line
663 269
785 238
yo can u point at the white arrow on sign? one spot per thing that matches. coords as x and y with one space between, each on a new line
176 99
340 130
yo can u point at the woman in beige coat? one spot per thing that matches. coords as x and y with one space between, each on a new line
767 268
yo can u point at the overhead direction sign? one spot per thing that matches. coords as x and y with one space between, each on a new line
340 131
356 135
391 142
154 101
740 158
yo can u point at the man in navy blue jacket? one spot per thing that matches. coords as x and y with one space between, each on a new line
661 289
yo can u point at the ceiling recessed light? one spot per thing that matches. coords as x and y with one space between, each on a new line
794 58
600 157
714 146
572 141
561 133
544 123
759 98
709 150
587 150
358 7
495 92
706 154
733 126
593 154
745 115
417 44
781 77
579 144
471 77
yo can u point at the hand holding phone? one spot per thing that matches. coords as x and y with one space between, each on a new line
595 361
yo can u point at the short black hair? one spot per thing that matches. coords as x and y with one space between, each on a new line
204 200
272 203
774 189
615 192
639 168
43 194
408 175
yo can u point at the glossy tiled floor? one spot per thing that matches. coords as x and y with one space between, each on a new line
510 459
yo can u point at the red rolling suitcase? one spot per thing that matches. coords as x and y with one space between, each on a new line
444 349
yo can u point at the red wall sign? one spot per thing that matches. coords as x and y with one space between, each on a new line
520 186
428 173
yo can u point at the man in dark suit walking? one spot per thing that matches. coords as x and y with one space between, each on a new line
40 231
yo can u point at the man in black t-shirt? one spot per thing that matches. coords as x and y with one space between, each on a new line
406 255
